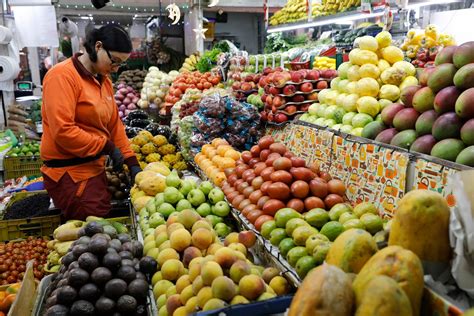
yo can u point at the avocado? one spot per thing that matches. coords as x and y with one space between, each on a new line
115 244
93 228
101 275
111 261
57 310
138 289
98 246
67 259
82 308
66 295
111 250
110 230
124 238
62 283
148 265
89 292
51 301
78 250
137 249
141 310
126 273
88 261
127 246
72 266
84 240
127 262
126 304
77 277
115 288
104 305
81 232
140 276
126 255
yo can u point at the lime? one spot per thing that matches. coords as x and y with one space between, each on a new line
286 245
284 215
293 223
332 229
346 216
353 223
304 265
277 235
339 209
364 208
320 252
317 217
373 223
295 254
267 228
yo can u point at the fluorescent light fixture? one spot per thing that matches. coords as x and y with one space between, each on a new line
428 3
326 21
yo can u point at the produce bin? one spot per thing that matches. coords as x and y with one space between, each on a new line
277 305
22 166
22 228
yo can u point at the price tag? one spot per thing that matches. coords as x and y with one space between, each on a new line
39 127
325 35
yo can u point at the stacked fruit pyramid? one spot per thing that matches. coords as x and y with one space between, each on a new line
437 116
149 148
371 80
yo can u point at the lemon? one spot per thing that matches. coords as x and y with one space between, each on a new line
392 54
353 73
389 92
342 70
351 87
350 102
383 64
368 87
368 105
384 39
369 71
368 43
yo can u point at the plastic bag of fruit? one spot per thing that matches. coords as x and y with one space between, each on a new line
212 106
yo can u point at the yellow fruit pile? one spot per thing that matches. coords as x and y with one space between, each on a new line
214 158
150 149
427 38
295 10
324 63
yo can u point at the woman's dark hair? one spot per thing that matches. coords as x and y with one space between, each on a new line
113 38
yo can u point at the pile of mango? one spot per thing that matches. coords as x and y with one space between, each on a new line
7 297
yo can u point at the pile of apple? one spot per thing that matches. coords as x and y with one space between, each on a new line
291 92
186 194
269 178
215 158
243 86
189 80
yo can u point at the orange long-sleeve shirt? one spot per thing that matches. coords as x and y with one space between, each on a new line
80 120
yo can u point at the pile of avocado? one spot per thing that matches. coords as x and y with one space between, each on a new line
26 149
102 275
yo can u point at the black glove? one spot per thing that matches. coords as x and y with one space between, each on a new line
134 170
117 159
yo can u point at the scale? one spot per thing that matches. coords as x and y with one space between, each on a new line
24 88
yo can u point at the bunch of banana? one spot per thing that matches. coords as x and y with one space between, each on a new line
190 62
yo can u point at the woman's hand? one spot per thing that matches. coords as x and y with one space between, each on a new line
117 159
134 170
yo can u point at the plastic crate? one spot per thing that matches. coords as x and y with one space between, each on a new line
16 167
22 228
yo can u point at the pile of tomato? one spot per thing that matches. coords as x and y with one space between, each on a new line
14 256
191 80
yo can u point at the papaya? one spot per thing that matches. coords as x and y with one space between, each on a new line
351 250
400 264
383 297
325 291
421 224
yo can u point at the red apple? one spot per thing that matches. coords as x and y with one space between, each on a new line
236 85
321 85
289 90
304 107
249 78
279 80
298 98
313 96
275 91
297 76
306 87
246 86
280 118
278 101
291 109
313 75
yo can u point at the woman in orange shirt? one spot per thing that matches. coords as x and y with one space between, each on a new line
81 126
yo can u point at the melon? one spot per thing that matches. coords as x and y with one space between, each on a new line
351 250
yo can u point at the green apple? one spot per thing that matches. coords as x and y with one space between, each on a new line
144 226
166 209
222 229
216 195
204 209
186 187
171 195
183 205
221 209
159 199
173 180
151 206
206 187
196 197
214 220
155 220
